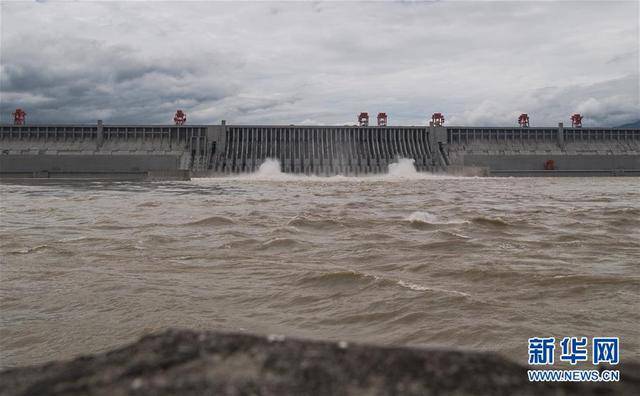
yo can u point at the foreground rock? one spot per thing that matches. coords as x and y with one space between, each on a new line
188 362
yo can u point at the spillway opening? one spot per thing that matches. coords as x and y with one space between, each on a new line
272 170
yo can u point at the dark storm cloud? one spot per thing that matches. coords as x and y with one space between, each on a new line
83 80
480 62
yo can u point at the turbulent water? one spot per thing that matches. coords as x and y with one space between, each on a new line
405 258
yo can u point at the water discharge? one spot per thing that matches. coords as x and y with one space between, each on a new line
270 170
402 169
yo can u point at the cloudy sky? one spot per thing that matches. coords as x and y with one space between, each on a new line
479 62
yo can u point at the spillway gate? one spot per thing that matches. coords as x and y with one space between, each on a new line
324 150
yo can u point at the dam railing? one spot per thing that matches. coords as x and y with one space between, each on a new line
557 139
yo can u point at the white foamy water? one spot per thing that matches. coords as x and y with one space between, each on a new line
416 287
422 217
270 170
430 218
403 169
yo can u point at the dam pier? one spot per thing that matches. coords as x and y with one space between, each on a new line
182 151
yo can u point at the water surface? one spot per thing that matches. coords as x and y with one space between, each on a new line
480 263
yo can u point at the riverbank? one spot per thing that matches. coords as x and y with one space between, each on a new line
188 362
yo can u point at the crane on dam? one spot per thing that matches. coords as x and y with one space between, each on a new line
19 116
382 119
523 120
363 119
437 119
180 118
576 120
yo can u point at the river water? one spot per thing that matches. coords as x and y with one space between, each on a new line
405 259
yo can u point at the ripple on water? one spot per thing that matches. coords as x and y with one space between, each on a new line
283 243
430 219
315 223
355 278
149 204
210 221
490 221
337 278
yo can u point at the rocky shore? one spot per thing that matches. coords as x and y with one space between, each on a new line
211 363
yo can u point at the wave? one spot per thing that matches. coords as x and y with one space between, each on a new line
490 221
422 217
590 280
339 277
355 277
454 235
280 243
83 239
302 221
416 287
372 318
426 220
111 226
28 250
210 221
150 204
160 239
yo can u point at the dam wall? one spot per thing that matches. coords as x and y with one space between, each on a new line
171 151
524 151
109 151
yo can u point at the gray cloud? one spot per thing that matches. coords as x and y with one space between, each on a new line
480 63
83 79
611 102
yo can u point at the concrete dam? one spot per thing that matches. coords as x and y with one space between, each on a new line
183 151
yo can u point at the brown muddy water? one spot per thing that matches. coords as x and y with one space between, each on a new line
406 259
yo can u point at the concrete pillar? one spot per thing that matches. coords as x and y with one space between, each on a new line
561 134
432 143
100 135
255 145
243 148
221 145
376 147
437 135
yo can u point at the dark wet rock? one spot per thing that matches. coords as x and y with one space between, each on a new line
210 363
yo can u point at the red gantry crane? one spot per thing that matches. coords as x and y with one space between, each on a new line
523 120
180 118
576 120
437 119
19 117
363 119
382 119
